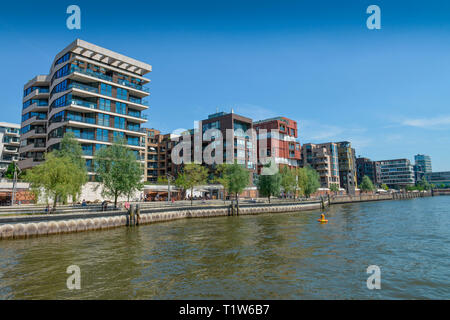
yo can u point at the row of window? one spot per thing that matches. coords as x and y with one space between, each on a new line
39 115
39 102
64 58
64 71
60 87
31 89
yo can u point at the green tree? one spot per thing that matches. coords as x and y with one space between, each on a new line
118 170
193 175
334 187
58 177
233 177
308 180
288 180
366 184
70 147
384 187
9 173
269 184
423 184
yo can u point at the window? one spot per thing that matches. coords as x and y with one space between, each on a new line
133 126
62 101
118 135
106 89
119 122
105 104
87 149
121 108
103 120
102 135
64 58
134 141
64 71
122 94
60 87
134 113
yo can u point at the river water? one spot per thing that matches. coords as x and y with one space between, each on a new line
268 256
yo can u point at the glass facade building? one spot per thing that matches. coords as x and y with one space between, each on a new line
91 91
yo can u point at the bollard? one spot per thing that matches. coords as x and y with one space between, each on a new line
138 213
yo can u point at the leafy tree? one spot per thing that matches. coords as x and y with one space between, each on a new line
288 180
233 177
193 175
162 180
58 177
423 184
9 173
308 180
334 188
384 187
366 184
118 170
269 185
70 147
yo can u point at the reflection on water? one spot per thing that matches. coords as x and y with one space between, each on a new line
270 256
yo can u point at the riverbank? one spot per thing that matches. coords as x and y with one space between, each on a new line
17 227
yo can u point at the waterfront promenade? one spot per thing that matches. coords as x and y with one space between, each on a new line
26 221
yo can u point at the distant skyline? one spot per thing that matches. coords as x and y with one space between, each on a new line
386 91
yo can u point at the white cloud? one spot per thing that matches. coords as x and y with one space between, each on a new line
441 122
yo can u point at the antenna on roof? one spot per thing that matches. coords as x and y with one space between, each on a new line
232 111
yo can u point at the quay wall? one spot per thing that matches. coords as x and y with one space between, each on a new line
22 227
40 225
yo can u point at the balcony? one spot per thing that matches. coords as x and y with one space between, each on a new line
76 85
102 76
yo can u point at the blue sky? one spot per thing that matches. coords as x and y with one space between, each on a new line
385 90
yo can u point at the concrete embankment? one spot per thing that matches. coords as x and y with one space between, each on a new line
14 227
378 197
27 226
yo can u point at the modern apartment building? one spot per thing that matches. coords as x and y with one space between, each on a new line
157 155
397 173
422 165
278 141
324 159
439 179
365 167
9 144
91 91
424 162
347 166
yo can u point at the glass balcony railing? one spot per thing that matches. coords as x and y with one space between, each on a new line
82 103
108 78
83 87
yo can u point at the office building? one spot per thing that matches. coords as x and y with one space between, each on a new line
397 173
439 179
424 162
9 144
95 93
279 141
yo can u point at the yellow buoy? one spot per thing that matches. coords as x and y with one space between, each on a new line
322 219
